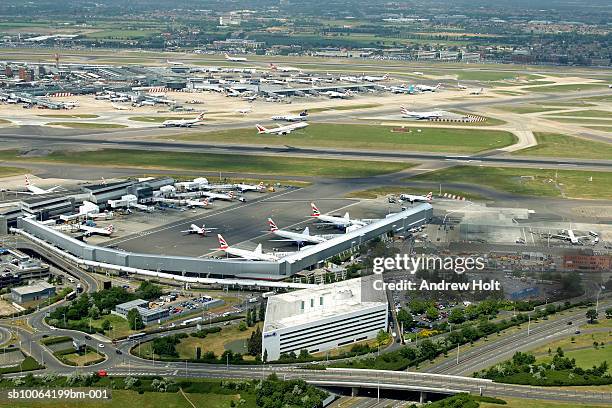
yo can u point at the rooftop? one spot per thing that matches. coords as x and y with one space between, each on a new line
321 302
34 288
132 304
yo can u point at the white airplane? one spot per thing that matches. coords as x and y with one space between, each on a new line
406 113
183 122
250 187
234 59
174 63
33 190
292 118
338 95
416 198
290 236
427 88
568 235
349 79
244 111
462 87
95 230
402 89
197 203
194 229
120 107
283 69
256 255
370 78
281 130
478 91
219 196
341 222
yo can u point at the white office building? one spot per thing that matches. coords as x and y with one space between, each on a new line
323 317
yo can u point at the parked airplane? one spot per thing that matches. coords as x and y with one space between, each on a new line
402 89
338 95
33 190
290 236
416 198
244 111
462 87
250 187
476 91
350 79
341 222
256 255
220 196
174 63
281 130
427 88
197 203
568 235
183 122
194 229
283 69
234 59
406 113
292 118
95 230
120 107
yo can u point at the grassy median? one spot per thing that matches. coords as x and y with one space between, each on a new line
366 137
267 165
556 145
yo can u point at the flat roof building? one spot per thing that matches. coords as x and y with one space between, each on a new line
148 315
37 291
324 317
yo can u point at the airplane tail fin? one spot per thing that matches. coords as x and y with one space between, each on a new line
273 67
222 243
272 225
261 129
306 231
27 180
231 195
259 249
205 202
200 116
260 186
346 216
304 112
315 210
429 196
110 229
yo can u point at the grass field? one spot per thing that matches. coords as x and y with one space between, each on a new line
531 403
555 145
565 87
341 108
600 128
269 165
121 34
216 342
123 398
368 137
11 171
73 116
590 113
86 125
580 121
532 182
4 121
526 109
158 119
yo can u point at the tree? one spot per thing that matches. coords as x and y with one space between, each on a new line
248 318
262 310
609 313
456 315
417 306
106 325
304 355
148 291
198 353
432 313
94 312
135 320
427 350
592 314
406 318
382 337
242 326
265 356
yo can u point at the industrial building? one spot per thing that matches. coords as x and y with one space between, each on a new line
324 317
37 291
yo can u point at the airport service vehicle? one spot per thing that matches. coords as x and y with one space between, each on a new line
292 118
297 237
183 122
407 113
96 231
194 229
341 222
256 255
416 198
281 130
235 59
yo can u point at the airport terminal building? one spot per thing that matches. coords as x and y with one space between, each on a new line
323 317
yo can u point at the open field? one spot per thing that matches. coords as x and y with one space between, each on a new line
215 342
580 121
68 116
526 109
159 119
532 182
11 171
591 113
86 125
531 403
341 108
270 165
415 138
556 145
600 128
565 87
123 398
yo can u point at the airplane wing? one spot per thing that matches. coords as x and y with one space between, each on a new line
283 240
